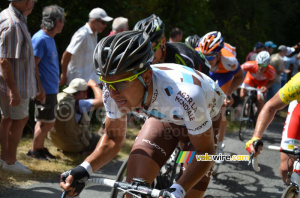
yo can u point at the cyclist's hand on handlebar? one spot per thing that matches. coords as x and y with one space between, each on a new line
73 181
175 191
263 89
250 146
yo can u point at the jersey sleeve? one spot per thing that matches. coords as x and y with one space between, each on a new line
247 66
291 90
110 105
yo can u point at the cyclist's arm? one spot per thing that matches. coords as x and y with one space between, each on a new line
238 79
203 143
267 114
110 143
270 83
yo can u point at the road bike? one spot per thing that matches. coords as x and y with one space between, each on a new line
138 188
248 115
292 190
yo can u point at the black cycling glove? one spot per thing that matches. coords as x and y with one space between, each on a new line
80 175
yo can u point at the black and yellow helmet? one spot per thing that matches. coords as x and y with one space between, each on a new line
153 26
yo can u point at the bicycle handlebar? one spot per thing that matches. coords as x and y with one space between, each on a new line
295 152
130 188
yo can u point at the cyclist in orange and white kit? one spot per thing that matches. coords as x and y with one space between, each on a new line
288 94
259 74
225 70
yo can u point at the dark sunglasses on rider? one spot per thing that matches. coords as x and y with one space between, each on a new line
210 58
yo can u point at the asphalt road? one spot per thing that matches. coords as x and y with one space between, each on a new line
234 179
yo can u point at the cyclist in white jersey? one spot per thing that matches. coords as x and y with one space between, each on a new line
182 103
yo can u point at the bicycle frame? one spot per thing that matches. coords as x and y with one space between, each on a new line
295 178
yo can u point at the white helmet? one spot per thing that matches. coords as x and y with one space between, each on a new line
263 58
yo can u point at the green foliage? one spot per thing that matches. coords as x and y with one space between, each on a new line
242 23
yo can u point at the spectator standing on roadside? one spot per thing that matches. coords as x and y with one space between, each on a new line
277 62
77 60
120 24
46 60
72 134
17 80
175 35
258 47
270 46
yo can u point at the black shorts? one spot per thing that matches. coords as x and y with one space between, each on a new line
157 140
46 112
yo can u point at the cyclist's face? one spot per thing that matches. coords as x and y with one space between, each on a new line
158 52
131 96
213 59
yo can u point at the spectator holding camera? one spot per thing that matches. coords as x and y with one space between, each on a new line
71 130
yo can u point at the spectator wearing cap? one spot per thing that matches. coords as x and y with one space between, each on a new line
292 62
276 60
46 60
71 132
258 47
119 24
77 60
175 35
17 80
270 46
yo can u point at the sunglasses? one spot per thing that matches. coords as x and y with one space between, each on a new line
210 58
156 47
103 22
122 84
263 65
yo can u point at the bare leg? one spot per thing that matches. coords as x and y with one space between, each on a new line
260 103
4 131
286 166
40 133
16 131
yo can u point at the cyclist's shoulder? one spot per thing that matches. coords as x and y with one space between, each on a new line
291 90
249 65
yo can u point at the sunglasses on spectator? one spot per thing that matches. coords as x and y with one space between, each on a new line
263 65
103 22
122 84
210 58
157 46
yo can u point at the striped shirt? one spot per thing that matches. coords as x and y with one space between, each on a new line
15 44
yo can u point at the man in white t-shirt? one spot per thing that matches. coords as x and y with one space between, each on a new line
77 60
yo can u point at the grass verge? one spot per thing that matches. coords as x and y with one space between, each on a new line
50 171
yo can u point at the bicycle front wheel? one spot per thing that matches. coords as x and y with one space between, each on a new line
121 176
290 192
246 122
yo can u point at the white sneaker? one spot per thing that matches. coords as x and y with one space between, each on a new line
16 167
17 162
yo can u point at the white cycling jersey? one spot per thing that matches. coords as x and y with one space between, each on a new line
181 95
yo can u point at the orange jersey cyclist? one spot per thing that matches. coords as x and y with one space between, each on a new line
260 75
225 70
181 103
